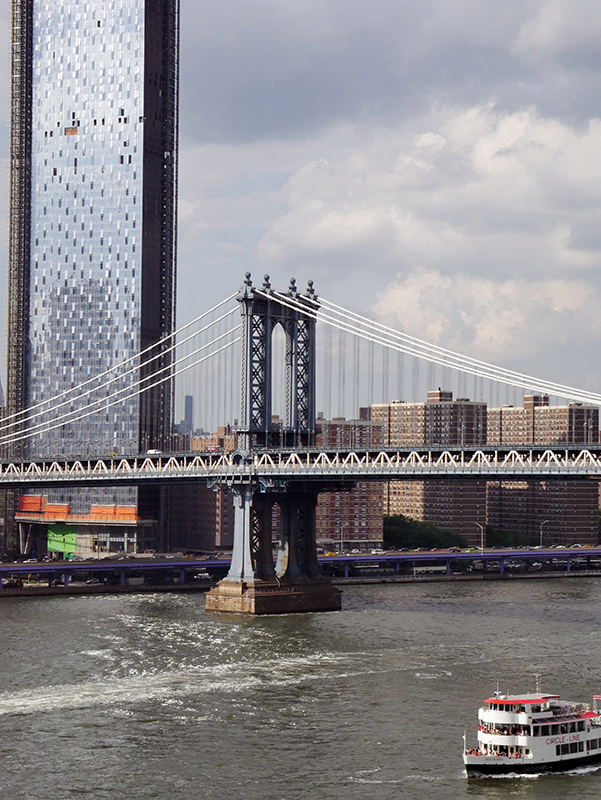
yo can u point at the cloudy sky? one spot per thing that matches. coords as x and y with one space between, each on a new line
435 164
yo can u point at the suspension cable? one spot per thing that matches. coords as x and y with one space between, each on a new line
89 411
395 340
117 366
116 378
468 364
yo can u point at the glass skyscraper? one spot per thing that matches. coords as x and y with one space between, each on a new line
93 214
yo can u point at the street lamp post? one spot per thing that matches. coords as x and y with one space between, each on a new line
481 535
541 531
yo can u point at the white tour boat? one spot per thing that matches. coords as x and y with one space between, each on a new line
538 732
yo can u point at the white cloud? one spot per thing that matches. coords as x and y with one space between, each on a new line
484 192
546 328
491 318
559 27
506 206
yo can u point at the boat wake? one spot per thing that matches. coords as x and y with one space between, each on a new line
588 770
169 685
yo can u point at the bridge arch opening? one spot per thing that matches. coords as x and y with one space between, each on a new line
280 382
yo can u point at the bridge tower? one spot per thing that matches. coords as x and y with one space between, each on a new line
254 584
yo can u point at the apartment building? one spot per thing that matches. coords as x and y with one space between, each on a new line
566 510
538 423
455 505
350 520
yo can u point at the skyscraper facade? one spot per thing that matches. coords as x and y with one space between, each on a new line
92 221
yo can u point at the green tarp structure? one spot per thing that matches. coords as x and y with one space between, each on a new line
62 538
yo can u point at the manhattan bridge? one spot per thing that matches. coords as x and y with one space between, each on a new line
257 353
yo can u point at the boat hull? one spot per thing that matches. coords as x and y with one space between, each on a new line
518 767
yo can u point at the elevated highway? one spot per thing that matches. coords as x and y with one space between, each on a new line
179 570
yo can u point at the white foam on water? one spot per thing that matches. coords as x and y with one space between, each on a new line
169 685
431 676
586 770
106 654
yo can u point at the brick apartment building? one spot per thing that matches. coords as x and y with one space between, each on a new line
353 519
455 505
568 510
538 423
201 518
564 512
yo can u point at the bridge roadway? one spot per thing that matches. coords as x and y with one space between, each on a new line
270 467
119 570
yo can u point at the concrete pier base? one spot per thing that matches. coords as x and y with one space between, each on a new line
262 597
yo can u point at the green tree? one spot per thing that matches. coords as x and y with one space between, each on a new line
498 538
401 531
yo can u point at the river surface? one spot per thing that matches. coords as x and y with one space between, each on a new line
148 696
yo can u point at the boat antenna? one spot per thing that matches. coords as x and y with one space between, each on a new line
498 692
537 676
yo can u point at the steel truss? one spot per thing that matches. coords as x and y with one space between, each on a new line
271 471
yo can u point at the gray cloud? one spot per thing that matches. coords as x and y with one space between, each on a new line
273 69
452 145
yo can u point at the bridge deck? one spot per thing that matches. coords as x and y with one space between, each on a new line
270 466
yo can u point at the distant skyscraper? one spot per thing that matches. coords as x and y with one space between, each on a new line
93 213
188 413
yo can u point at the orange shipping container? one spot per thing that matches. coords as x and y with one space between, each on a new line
127 511
30 502
105 512
57 510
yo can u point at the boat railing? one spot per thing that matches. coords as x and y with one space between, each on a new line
568 709
506 730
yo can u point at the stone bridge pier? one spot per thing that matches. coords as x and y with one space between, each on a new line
254 585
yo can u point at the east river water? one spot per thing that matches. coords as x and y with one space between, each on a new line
148 696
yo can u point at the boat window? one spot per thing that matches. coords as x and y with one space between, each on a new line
544 730
565 748
581 725
574 747
563 728
554 729
572 727
536 731
557 749
580 747
594 744
588 746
